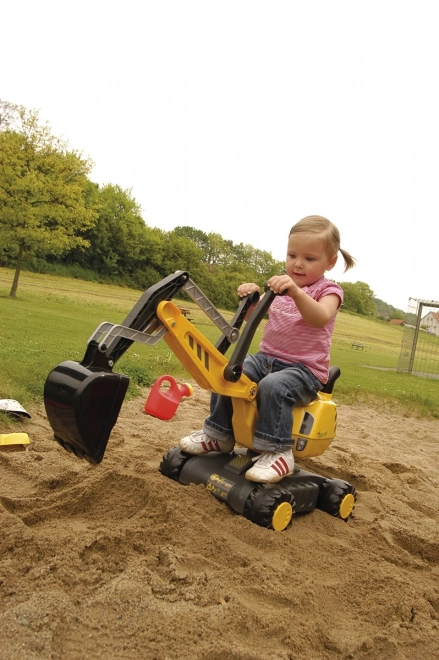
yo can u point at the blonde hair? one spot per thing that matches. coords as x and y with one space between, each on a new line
317 224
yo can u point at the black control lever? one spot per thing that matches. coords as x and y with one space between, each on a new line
233 371
223 342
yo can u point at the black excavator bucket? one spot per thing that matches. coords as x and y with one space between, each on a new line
83 399
82 406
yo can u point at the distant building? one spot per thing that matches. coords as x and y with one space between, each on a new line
397 321
431 322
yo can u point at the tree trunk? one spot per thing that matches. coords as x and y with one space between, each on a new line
13 293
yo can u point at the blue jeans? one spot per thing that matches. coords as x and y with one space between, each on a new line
281 386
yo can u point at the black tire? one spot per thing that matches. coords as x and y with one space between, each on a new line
337 498
271 507
172 463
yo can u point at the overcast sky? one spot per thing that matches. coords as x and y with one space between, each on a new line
241 117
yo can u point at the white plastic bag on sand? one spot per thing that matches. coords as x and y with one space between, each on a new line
13 407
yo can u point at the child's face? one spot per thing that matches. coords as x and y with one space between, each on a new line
307 260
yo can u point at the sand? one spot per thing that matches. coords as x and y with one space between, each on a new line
118 561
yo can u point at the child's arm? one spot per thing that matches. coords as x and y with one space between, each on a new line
315 312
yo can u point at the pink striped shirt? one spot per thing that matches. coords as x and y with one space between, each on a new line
291 339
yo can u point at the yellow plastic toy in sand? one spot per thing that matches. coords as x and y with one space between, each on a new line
14 439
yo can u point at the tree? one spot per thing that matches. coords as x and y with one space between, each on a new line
358 298
43 189
9 116
216 251
183 254
121 246
259 262
197 236
387 311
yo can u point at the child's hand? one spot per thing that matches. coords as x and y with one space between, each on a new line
282 284
247 288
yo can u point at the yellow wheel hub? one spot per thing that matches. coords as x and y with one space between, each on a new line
282 516
346 506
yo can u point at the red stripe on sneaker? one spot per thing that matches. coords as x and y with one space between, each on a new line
211 445
280 466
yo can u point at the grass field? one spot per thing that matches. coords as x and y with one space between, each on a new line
53 317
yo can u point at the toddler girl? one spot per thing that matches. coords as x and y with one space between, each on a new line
293 361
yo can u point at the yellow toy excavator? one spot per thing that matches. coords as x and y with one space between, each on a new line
83 401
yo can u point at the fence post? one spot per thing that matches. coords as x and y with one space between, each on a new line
415 338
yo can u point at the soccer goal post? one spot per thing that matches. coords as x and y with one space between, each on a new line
420 340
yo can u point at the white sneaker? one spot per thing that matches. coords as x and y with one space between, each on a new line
200 443
271 467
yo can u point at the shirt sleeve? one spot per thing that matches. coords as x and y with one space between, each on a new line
329 288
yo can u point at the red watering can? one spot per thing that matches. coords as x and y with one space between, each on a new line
163 402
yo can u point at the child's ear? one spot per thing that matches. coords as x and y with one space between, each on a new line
332 262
